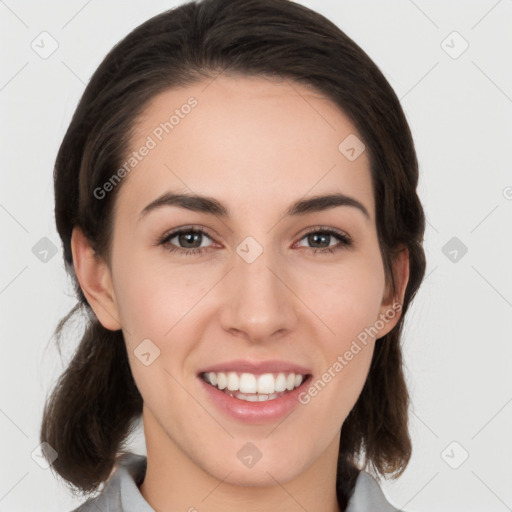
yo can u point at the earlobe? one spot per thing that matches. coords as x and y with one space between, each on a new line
94 277
391 306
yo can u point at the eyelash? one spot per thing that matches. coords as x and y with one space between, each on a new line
345 241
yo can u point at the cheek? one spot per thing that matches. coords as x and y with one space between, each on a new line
151 299
153 306
160 306
348 303
346 361
347 298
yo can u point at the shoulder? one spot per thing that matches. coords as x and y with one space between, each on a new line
368 496
120 492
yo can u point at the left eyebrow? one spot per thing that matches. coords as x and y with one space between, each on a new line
211 206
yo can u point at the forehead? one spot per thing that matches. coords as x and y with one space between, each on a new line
249 141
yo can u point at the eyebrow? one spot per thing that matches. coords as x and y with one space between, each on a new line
211 206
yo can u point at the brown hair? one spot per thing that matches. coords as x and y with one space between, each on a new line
95 403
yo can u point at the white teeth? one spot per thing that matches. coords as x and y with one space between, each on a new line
233 381
213 378
254 388
253 397
280 384
248 398
222 380
266 383
247 383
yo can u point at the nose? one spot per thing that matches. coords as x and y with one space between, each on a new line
259 304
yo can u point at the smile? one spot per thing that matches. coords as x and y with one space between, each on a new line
254 388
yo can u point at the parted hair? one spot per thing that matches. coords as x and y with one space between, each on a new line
95 403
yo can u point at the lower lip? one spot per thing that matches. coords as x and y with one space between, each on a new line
254 412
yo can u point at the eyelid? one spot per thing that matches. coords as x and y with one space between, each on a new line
327 229
344 239
201 229
183 229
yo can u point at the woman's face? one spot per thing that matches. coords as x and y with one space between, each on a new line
256 293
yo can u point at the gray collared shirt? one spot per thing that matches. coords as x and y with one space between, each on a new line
121 492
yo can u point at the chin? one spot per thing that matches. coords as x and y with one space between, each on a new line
259 475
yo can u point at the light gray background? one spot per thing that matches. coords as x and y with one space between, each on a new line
457 336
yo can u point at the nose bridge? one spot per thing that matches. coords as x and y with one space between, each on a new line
259 304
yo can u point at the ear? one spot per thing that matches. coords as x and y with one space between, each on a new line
391 305
94 277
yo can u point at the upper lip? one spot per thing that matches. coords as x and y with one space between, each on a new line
256 367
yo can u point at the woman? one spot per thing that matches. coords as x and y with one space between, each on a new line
236 197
